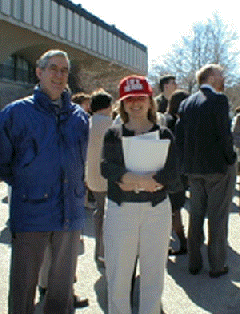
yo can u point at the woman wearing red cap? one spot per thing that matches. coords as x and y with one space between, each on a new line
138 214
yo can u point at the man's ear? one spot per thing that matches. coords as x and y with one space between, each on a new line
211 79
38 73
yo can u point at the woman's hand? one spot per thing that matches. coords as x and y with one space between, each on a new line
127 187
137 183
148 184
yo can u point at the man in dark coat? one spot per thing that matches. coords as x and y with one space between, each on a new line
207 156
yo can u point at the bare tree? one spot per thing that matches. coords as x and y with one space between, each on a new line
209 42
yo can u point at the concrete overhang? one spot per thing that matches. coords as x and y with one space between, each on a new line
27 41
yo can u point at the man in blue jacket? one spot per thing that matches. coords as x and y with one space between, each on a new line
43 143
206 145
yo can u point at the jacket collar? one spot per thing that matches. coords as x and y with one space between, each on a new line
44 103
209 87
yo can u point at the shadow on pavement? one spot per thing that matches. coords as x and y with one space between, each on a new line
217 296
5 236
234 208
101 292
89 226
100 287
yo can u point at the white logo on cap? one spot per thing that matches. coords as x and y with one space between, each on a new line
133 84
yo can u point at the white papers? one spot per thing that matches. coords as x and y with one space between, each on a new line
145 153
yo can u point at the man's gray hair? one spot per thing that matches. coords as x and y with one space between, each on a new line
42 62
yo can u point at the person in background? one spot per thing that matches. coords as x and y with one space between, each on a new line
236 135
115 111
167 85
83 100
205 144
138 213
236 140
100 121
177 199
42 157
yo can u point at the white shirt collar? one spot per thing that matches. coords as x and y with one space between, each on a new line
208 86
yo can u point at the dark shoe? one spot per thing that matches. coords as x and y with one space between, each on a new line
5 200
100 262
75 279
42 292
195 271
216 274
101 259
182 251
79 302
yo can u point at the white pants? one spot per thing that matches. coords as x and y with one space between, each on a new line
131 229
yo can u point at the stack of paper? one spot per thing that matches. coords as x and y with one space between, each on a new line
145 153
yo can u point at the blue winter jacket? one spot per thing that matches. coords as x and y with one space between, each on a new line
42 156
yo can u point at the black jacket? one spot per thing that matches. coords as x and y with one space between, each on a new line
113 168
162 103
203 133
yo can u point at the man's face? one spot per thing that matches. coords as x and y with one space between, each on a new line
54 78
170 87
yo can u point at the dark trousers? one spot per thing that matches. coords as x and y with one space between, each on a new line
211 194
27 255
98 215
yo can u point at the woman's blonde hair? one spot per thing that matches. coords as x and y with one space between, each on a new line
151 111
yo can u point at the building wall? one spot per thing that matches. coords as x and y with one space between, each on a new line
102 53
10 91
77 26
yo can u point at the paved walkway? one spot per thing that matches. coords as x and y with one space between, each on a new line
183 294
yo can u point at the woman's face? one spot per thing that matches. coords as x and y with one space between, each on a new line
137 106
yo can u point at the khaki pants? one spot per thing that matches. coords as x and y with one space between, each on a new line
136 229
27 255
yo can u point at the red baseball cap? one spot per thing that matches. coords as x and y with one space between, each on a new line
134 86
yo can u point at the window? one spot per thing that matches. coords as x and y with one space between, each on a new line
21 70
17 68
7 69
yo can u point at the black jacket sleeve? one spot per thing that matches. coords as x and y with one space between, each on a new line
169 176
112 164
